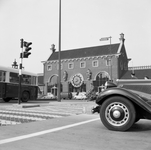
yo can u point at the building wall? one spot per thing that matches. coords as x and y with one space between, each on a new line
119 65
102 67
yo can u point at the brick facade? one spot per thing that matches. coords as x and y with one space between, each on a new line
89 67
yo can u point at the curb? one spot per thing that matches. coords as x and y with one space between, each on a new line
25 105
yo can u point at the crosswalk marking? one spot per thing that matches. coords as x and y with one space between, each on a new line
6 122
29 114
13 116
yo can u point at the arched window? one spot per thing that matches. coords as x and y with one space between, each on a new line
52 85
100 80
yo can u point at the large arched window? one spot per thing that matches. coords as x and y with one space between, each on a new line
100 80
52 86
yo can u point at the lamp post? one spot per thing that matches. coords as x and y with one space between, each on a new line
59 58
110 56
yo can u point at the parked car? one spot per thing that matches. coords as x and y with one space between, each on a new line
80 96
49 96
66 95
121 106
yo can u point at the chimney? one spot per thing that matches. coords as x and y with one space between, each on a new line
122 37
53 48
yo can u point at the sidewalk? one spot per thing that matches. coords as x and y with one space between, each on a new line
86 105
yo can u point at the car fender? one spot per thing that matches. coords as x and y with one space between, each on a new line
135 98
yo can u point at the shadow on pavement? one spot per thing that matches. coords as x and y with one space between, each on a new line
142 125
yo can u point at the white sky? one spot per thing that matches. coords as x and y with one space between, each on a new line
84 22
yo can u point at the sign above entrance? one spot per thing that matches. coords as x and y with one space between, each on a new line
77 80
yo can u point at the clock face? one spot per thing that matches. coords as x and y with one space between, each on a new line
77 80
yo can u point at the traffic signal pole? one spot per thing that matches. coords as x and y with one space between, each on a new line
20 71
23 54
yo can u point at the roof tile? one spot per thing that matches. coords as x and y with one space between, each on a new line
85 52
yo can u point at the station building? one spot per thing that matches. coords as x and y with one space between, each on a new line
83 68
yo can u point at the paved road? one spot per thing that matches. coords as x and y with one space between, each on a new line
16 114
74 128
77 132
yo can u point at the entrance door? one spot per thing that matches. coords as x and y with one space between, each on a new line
54 91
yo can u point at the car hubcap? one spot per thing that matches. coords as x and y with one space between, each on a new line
117 114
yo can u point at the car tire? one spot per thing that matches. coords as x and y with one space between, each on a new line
6 99
25 96
137 119
117 113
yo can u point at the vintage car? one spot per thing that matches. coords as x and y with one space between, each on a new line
123 104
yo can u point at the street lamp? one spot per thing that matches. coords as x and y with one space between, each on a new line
110 56
59 70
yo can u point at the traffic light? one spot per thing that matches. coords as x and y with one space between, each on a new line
27 49
22 43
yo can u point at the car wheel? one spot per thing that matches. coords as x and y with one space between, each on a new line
117 113
137 119
6 99
25 96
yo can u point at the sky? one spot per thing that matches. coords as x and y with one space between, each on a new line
83 23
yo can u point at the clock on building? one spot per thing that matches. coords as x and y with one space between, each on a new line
77 80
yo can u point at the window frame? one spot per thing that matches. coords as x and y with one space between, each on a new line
2 76
83 63
50 67
71 63
94 62
108 62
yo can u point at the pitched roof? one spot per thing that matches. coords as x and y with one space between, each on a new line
140 74
86 52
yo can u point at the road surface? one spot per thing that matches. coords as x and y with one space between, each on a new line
77 132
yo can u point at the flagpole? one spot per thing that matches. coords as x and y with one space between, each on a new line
110 56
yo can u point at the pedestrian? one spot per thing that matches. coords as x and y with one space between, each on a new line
77 93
